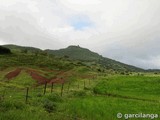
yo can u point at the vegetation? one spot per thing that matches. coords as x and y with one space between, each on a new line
85 55
76 53
22 48
45 87
4 50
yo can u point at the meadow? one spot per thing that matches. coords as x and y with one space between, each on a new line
83 98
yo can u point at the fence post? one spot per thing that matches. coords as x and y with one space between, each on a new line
78 84
27 95
52 88
45 86
84 84
68 87
62 89
4 92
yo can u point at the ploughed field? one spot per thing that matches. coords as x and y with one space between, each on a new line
43 94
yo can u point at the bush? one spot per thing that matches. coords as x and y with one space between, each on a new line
50 102
80 93
4 50
86 88
100 88
10 105
49 106
122 73
39 95
54 97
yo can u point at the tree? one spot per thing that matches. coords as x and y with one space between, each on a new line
24 51
66 56
4 50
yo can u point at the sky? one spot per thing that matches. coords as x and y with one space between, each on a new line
124 30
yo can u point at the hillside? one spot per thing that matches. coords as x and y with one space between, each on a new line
21 48
43 86
83 54
34 61
76 53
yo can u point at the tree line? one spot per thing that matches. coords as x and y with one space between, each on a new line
4 50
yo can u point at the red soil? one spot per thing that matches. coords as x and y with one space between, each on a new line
57 80
40 79
36 75
64 74
13 74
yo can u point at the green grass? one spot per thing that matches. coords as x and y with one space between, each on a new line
106 108
23 80
83 108
145 87
30 60
100 99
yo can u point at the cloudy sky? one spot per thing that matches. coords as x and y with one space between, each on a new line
124 30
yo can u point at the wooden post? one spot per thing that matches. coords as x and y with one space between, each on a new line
45 86
27 95
52 88
78 84
62 89
68 87
84 84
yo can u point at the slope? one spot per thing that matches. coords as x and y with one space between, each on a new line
83 54
22 48
76 53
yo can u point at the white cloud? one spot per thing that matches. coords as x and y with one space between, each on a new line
125 30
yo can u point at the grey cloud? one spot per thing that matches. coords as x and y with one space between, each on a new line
125 30
23 29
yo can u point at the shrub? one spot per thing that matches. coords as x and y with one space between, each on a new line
4 50
54 97
100 88
86 88
122 73
39 95
80 93
49 106
10 105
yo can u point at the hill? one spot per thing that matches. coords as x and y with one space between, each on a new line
16 48
85 55
76 53
43 86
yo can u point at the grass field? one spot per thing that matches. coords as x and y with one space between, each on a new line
101 98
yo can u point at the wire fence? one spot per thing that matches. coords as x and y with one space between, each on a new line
27 93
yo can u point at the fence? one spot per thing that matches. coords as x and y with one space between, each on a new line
28 93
